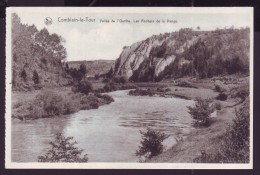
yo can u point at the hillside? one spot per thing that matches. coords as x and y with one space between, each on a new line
37 57
96 67
187 52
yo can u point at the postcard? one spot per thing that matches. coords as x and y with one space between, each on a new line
129 88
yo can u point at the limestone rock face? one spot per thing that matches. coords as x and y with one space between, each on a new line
145 60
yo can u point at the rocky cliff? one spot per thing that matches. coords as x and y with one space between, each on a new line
186 52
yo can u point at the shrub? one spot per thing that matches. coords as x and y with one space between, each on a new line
222 96
240 92
110 86
185 84
94 105
235 145
106 97
218 106
141 92
63 149
121 79
23 74
201 112
219 86
83 86
151 143
69 107
50 102
35 77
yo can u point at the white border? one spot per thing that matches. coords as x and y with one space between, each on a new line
205 10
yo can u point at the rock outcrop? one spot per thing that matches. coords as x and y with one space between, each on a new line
145 60
185 53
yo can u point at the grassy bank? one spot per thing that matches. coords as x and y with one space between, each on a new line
206 138
226 139
54 102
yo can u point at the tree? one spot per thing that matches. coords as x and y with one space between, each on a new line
83 86
82 71
151 143
63 149
201 111
35 77
23 74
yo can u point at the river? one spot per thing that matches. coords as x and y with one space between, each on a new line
107 134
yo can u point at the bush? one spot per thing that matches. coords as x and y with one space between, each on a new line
235 143
121 79
106 97
185 84
222 96
218 106
110 86
240 92
201 112
23 75
141 92
151 143
50 102
83 86
35 77
220 87
63 149
94 105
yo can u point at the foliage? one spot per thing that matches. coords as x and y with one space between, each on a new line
83 86
235 143
121 79
49 102
141 92
201 112
23 74
63 149
185 84
218 106
35 77
35 50
110 86
199 54
222 96
151 143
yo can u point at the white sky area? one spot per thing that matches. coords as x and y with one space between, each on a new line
93 41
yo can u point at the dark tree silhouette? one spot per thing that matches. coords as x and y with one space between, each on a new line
63 149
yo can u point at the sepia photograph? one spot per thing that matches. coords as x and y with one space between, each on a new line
144 88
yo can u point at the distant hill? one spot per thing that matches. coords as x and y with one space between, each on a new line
93 67
186 52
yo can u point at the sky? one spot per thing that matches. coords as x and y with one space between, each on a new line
96 40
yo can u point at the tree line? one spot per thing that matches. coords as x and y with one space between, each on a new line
37 55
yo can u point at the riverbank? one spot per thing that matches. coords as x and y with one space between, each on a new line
54 102
206 139
203 143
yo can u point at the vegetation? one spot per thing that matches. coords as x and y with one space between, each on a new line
151 143
141 92
201 112
63 149
36 54
50 104
200 54
83 86
35 77
234 147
